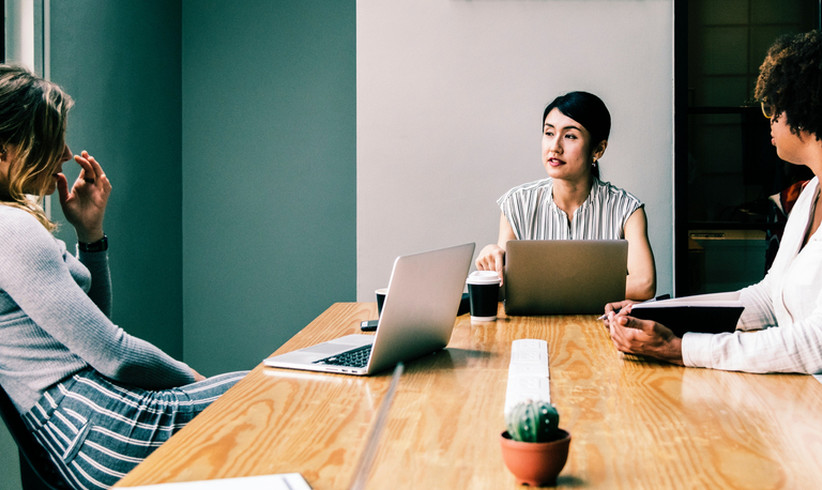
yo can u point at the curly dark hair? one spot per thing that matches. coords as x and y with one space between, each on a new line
790 80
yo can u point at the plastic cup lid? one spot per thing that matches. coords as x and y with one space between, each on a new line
483 277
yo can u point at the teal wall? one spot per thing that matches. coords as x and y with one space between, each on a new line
269 173
228 131
120 61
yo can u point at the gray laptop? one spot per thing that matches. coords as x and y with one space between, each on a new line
417 318
562 277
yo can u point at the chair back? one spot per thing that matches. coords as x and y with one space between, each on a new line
32 453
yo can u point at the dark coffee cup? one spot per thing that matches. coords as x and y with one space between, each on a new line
483 292
380 299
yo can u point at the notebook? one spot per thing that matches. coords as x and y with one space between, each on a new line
562 277
417 317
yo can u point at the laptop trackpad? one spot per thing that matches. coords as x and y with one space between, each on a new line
339 345
327 348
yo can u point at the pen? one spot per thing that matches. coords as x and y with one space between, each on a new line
658 298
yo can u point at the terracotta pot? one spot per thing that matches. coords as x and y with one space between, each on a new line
535 463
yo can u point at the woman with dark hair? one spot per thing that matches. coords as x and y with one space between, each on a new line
573 203
97 399
780 329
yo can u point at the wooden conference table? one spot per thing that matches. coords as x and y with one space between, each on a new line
634 423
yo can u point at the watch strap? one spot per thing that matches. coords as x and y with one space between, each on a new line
100 245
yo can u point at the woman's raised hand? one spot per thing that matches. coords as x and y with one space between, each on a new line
85 205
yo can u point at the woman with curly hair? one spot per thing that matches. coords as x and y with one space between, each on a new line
97 399
780 329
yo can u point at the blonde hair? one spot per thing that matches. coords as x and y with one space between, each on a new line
33 114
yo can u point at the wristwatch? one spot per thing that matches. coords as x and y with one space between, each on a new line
100 245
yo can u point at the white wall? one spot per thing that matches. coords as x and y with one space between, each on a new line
450 97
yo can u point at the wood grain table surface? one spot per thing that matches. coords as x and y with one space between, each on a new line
634 423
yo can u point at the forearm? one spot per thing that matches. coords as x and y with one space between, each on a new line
142 364
89 334
100 291
37 276
795 349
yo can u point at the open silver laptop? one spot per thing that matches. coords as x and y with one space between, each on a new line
562 277
417 318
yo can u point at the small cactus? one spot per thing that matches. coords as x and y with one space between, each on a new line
532 421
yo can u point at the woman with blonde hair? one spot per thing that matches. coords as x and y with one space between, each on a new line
97 399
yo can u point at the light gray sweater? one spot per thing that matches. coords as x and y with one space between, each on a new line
54 321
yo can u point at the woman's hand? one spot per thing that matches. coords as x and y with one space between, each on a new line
491 258
197 376
85 205
643 337
616 308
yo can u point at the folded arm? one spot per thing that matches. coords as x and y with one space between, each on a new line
37 277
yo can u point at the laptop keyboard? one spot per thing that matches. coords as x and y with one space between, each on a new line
353 358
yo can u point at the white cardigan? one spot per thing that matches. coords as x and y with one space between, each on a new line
781 327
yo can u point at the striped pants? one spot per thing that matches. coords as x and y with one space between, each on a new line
96 431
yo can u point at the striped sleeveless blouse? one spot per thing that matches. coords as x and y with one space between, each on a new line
531 211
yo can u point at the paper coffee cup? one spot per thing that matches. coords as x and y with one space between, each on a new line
483 292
